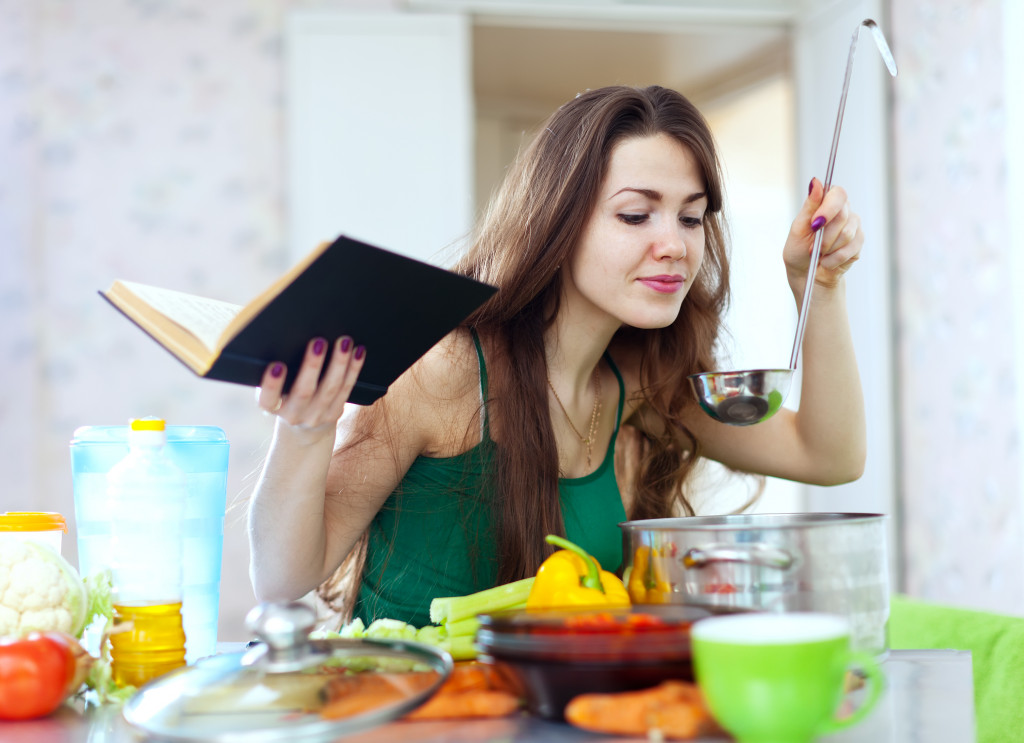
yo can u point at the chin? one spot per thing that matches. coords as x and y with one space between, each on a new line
651 322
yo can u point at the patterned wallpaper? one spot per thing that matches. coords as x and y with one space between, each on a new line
142 139
139 139
960 444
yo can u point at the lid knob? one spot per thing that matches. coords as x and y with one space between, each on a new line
284 631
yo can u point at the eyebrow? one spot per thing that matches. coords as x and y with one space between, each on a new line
653 195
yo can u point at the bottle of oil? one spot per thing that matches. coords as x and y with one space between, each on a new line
147 493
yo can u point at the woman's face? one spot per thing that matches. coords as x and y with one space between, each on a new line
643 243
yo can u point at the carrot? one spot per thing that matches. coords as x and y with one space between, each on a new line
354 695
467 677
473 690
466 704
675 709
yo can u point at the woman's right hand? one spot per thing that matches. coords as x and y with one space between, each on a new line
313 403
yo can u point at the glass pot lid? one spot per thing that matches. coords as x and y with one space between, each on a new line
288 686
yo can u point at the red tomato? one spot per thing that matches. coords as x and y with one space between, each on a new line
34 674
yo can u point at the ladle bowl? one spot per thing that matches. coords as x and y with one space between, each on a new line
742 398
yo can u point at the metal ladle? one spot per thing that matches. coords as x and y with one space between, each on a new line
742 398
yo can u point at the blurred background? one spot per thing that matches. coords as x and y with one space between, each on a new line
206 147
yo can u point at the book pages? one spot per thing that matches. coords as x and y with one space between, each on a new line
204 318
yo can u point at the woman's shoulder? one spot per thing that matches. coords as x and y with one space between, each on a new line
449 370
440 394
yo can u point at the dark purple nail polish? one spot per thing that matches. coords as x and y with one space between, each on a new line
810 187
346 343
817 224
360 352
318 346
277 370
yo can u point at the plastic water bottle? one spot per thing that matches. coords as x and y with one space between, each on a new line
147 498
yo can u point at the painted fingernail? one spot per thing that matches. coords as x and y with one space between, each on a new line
817 224
810 187
318 346
346 343
277 370
360 352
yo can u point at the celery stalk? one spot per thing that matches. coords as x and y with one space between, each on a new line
462 628
439 609
448 609
461 648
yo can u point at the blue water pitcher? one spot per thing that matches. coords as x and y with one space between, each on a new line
202 452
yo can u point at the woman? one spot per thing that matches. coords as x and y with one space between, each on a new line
607 243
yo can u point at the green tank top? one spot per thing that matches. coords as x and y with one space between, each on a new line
421 540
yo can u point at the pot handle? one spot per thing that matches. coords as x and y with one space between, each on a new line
754 553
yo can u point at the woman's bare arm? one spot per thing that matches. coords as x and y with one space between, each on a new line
319 491
824 441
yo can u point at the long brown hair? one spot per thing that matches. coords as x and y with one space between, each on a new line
531 228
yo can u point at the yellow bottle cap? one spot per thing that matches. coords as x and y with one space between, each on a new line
32 521
147 424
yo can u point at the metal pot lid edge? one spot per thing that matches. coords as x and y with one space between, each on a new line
752 521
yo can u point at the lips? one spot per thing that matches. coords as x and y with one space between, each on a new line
663 283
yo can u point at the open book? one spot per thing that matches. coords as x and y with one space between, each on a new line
395 306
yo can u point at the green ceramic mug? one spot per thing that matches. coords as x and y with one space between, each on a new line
779 678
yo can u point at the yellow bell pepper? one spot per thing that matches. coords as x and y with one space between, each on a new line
573 578
647 584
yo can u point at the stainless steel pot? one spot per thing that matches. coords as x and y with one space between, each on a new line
830 562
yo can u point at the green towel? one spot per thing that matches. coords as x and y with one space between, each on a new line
996 643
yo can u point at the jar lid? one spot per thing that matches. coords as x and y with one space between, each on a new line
289 687
32 521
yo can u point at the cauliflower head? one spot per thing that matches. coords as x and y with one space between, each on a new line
39 590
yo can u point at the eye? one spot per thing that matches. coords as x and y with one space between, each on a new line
633 219
692 222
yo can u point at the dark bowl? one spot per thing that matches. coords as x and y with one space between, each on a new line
556 655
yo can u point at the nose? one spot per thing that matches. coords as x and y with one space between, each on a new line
669 244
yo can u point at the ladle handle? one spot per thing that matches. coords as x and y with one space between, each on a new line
883 48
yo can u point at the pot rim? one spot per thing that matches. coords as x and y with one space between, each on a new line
761 521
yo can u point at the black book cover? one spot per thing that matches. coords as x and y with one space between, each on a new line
395 306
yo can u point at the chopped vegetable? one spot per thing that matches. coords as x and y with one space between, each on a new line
364 692
673 710
460 648
454 617
573 578
449 609
473 690
462 627
465 705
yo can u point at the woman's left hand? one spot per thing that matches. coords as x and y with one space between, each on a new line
842 237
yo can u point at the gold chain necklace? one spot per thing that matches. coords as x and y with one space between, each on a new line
587 441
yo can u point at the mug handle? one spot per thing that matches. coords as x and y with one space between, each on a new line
876 682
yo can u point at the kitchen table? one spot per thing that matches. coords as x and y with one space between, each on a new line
929 698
